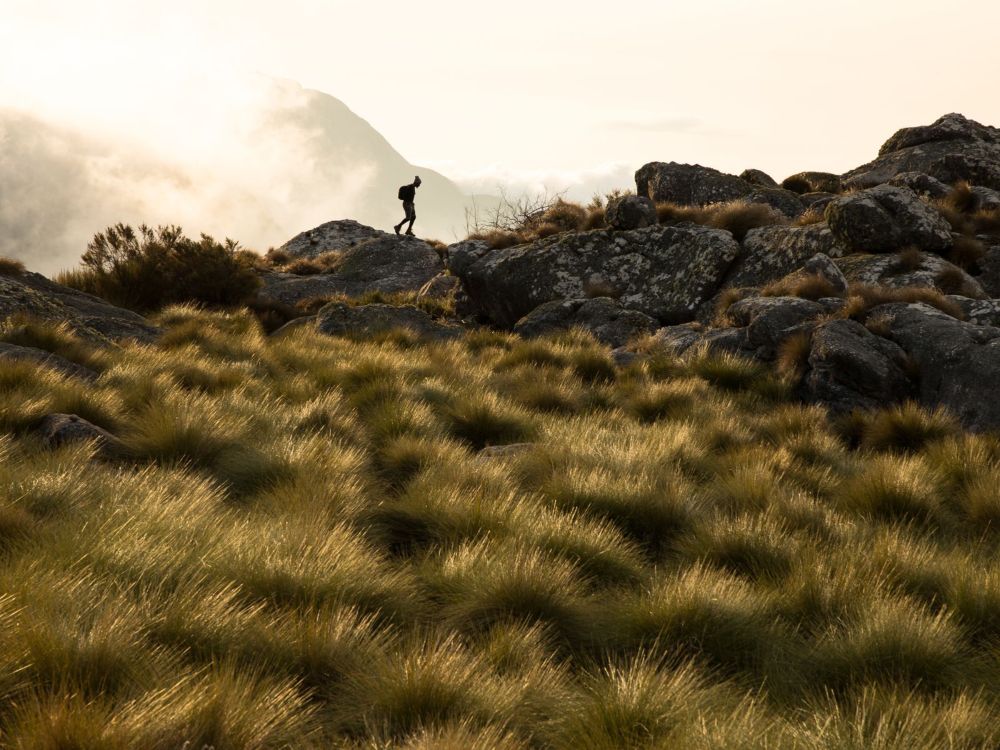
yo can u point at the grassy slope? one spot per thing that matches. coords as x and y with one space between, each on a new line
304 550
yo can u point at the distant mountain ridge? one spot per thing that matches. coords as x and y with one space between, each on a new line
313 160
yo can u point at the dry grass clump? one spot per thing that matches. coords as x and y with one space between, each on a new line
304 547
806 285
861 298
11 267
737 217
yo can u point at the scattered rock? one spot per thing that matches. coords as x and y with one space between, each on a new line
688 184
980 312
14 353
886 218
604 317
663 271
823 266
341 319
817 201
384 264
513 450
59 429
630 212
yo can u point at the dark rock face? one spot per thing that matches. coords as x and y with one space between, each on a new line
604 317
90 317
980 312
959 363
770 253
852 368
340 319
989 272
758 178
818 182
932 271
60 429
462 255
663 271
688 184
887 218
440 286
952 148
334 235
630 212
383 264
826 268
770 320
14 353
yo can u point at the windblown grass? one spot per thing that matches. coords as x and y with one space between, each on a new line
304 546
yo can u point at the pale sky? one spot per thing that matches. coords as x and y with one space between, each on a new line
533 86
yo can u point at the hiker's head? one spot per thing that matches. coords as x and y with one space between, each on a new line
416 181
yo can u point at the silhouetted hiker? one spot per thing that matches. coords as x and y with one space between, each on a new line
407 194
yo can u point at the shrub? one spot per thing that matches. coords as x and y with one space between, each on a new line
797 184
810 216
11 267
149 269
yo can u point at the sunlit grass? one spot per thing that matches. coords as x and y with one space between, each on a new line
302 546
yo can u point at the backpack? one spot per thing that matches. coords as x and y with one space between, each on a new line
402 189
407 193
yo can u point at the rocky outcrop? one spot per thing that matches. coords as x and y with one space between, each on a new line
769 253
382 264
663 271
361 321
605 318
14 353
892 271
688 184
334 235
989 271
90 317
952 148
630 212
887 218
57 430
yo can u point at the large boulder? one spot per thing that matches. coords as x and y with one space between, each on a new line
381 264
91 318
604 317
921 184
783 201
770 253
952 148
630 212
849 367
363 321
887 218
334 235
688 184
770 320
663 271
894 271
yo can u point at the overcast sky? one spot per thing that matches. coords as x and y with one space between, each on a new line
527 87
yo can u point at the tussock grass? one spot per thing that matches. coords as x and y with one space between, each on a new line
302 547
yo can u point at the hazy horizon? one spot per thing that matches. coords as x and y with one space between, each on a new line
562 95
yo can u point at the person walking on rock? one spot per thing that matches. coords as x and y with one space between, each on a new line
407 194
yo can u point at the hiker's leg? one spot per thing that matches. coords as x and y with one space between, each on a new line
411 214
